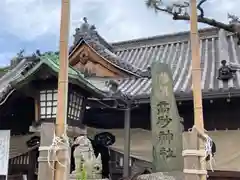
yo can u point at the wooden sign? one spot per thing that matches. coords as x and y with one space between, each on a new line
165 121
4 151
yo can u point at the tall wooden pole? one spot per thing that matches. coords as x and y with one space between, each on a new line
196 78
61 172
127 127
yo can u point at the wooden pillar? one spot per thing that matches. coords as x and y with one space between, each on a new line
62 170
127 126
196 82
45 172
32 164
191 162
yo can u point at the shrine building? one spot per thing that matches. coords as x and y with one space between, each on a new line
104 78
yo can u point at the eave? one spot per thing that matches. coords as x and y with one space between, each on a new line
189 97
75 77
139 90
5 81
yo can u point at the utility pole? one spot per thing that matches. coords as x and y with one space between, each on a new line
62 172
196 80
127 127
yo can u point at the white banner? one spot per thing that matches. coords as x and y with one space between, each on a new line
4 151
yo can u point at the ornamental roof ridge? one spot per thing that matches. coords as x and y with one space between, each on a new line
183 35
88 31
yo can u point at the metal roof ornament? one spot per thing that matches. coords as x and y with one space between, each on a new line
112 85
146 73
85 27
93 27
85 31
85 20
225 72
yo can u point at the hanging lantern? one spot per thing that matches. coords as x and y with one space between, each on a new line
48 106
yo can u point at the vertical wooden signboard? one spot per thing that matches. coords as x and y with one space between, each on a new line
166 122
4 153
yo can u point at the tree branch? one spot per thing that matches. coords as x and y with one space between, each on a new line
179 12
167 10
200 8
211 22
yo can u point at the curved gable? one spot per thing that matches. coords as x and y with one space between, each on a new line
90 51
86 57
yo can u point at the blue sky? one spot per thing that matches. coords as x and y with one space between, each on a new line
34 24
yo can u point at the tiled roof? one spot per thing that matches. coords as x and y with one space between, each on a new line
9 77
28 67
132 87
175 50
214 49
140 89
137 55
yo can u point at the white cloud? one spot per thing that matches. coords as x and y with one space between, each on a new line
219 9
115 19
29 19
4 58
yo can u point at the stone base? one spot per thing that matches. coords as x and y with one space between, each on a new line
73 177
162 176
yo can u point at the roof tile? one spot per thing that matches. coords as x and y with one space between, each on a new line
178 56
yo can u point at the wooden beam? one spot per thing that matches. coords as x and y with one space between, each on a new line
224 174
74 58
71 130
37 109
98 59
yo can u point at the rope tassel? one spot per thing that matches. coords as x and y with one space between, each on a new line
58 143
207 152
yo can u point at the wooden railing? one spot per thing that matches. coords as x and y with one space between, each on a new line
20 160
24 164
